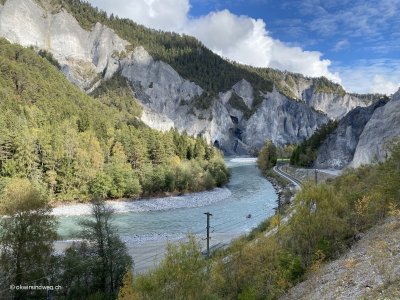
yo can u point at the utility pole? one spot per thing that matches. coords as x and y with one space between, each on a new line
49 295
208 233
316 176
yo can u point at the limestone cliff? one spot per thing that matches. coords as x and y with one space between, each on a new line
282 121
334 105
363 136
381 130
83 55
338 149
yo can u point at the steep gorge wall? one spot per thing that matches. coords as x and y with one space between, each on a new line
379 133
338 149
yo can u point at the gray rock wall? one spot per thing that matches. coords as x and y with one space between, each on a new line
82 54
335 106
338 149
382 129
282 121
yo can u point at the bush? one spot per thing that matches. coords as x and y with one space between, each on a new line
267 157
181 275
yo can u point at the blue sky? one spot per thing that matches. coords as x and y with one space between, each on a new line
355 43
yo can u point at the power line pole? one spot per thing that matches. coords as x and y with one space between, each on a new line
316 176
49 295
208 233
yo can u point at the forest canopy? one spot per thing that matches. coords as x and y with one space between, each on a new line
76 147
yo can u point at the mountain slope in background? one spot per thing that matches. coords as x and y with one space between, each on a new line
178 81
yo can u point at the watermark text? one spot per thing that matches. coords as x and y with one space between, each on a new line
35 287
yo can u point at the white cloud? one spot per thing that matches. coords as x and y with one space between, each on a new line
372 76
295 59
159 14
342 44
239 38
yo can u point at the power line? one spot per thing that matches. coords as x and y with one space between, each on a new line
144 261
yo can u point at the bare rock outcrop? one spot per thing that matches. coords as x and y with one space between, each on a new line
282 121
338 149
82 54
381 130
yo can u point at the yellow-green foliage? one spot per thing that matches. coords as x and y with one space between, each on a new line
267 157
181 275
116 92
126 291
75 147
324 85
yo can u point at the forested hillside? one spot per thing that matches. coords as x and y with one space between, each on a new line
305 153
75 147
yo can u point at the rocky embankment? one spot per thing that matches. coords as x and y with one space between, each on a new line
369 270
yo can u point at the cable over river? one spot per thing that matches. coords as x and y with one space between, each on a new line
147 225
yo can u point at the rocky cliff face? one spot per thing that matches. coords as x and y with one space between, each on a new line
83 55
282 121
338 149
334 105
381 130
230 119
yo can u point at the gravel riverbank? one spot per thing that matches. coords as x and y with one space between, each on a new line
191 200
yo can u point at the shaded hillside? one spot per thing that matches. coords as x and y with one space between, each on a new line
381 131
